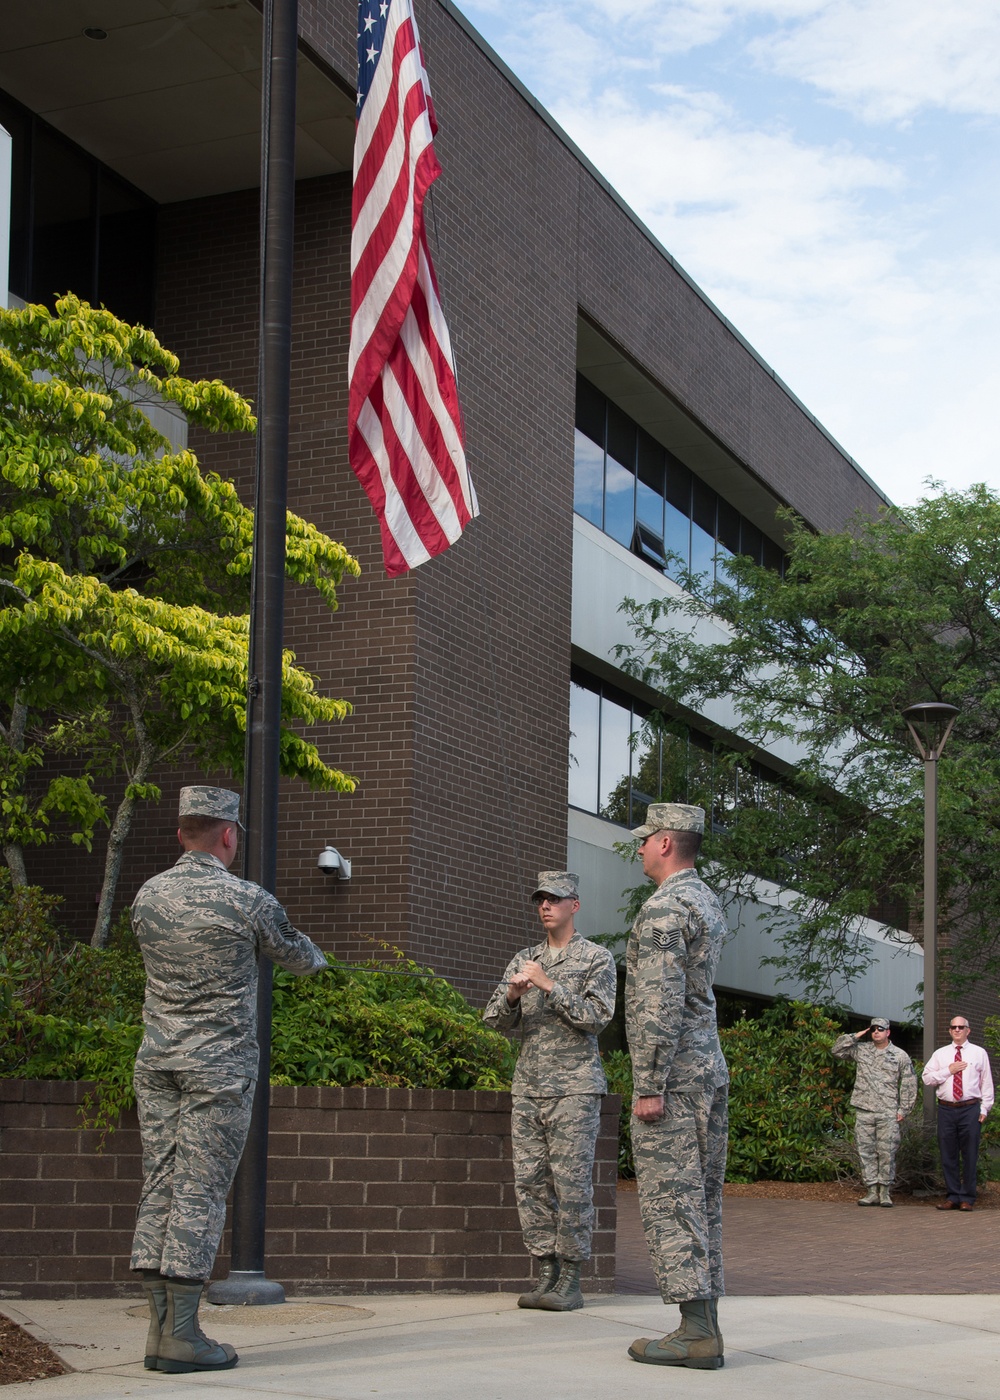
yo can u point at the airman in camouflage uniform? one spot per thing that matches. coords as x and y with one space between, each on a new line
201 931
680 1109
562 994
885 1090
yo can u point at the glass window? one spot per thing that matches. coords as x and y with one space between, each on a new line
703 519
630 486
619 478
591 410
17 122
588 485
125 241
65 206
728 531
645 769
677 517
751 540
701 777
619 763
584 747
773 556
616 755
76 226
674 766
650 484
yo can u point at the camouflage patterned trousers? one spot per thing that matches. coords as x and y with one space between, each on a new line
680 1163
876 1136
553 1143
194 1126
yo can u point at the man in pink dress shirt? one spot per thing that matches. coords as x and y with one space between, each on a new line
960 1074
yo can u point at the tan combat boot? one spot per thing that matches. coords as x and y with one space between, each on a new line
697 1343
566 1295
884 1199
871 1198
155 1288
183 1345
548 1273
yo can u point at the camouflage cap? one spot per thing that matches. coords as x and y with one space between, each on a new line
210 802
670 816
879 1023
561 882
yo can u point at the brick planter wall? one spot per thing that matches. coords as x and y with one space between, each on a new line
370 1191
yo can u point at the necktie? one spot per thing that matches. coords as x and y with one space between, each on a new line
956 1079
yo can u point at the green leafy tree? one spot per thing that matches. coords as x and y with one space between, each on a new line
899 608
124 582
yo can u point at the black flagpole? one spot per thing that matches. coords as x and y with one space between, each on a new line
247 1282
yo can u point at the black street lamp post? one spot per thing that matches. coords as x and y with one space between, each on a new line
247 1282
930 723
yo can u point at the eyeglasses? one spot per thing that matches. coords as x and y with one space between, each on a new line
539 899
958 1028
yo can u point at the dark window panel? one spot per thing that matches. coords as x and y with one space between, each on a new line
65 208
751 541
678 485
704 504
591 408
773 555
729 526
126 246
621 437
651 463
650 484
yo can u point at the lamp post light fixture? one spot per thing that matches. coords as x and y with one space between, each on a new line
930 723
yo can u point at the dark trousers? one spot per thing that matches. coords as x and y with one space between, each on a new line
958 1129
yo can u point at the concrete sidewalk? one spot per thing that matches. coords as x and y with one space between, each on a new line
454 1348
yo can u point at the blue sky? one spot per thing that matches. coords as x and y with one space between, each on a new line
828 171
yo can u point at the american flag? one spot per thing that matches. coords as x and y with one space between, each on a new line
405 437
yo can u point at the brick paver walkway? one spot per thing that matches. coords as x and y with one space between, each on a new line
802 1247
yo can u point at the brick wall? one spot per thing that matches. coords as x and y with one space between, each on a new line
459 672
370 1191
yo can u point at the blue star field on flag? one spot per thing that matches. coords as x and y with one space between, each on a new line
372 18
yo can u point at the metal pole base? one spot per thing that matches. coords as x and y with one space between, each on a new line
245 1288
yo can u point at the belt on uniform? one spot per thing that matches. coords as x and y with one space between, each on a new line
948 1103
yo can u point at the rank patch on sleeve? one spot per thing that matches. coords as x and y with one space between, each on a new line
667 939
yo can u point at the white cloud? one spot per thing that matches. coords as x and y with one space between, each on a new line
887 60
776 216
869 279
892 349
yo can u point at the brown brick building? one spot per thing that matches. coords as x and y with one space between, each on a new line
460 673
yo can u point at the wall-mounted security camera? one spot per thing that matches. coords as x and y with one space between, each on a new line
331 862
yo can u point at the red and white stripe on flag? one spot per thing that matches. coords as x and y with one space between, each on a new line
405 437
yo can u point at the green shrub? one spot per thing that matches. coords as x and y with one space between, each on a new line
618 1068
397 1026
70 1011
787 1096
